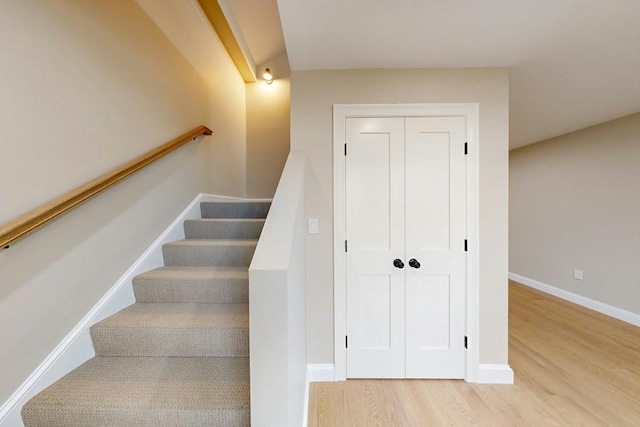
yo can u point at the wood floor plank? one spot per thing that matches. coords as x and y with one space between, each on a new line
573 367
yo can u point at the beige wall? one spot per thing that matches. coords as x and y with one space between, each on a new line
268 128
184 23
252 129
84 87
312 95
575 204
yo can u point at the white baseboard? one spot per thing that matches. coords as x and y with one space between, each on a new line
487 373
321 372
600 307
305 414
77 347
494 374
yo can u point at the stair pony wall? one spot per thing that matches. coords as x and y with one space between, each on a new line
76 347
277 306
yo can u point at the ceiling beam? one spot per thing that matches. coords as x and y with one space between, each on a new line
220 23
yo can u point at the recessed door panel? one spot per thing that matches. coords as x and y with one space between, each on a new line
375 313
428 301
369 189
428 185
435 330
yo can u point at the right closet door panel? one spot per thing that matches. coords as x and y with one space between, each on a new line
435 227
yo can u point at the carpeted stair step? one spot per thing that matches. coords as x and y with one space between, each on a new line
174 329
223 228
234 209
193 284
146 391
204 252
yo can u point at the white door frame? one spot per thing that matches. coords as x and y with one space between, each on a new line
340 113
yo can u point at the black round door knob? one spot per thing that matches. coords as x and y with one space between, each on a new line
397 263
414 263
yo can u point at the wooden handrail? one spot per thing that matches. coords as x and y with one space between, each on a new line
31 221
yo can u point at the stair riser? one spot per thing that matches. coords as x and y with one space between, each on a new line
183 255
229 292
171 342
80 417
234 210
199 229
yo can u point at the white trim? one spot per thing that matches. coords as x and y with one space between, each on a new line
600 307
77 347
473 233
305 414
494 374
321 372
340 112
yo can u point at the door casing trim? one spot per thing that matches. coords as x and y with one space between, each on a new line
340 113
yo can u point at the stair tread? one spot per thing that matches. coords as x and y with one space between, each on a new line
178 316
213 242
147 391
195 272
249 220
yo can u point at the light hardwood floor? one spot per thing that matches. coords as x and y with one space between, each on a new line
573 367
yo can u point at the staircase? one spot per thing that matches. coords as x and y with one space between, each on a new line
179 356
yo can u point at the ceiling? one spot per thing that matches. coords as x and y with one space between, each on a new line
573 63
259 22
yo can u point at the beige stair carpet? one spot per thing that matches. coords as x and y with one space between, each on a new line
179 355
175 329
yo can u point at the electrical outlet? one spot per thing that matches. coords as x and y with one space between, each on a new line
577 274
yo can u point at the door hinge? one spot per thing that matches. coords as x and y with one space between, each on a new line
465 245
345 149
346 341
465 148
466 341
345 246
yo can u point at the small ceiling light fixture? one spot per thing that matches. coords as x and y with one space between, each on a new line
267 76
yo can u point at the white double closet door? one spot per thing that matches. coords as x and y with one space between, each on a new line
406 204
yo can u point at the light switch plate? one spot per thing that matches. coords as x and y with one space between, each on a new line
313 225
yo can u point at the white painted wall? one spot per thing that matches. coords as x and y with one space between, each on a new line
312 95
277 304
575 204
84 87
